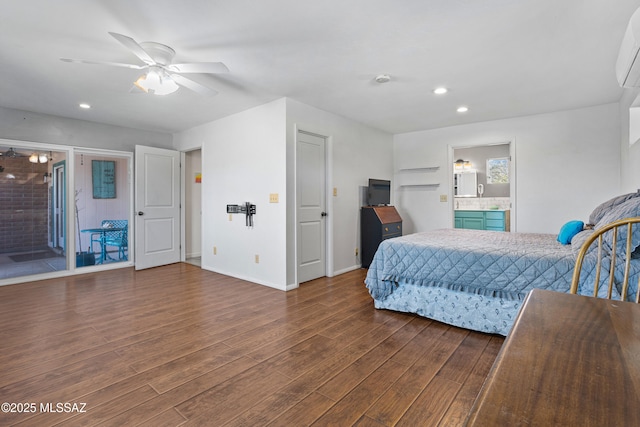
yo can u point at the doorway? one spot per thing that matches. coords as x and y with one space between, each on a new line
491 168
193 207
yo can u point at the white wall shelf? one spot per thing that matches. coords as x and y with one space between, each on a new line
420 185
418 178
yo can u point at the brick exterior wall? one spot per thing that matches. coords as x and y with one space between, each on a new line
24 205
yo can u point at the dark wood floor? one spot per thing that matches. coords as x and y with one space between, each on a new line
178 345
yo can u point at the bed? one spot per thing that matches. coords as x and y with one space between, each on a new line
478 279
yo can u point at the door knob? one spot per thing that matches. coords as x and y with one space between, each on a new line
140 213
323 214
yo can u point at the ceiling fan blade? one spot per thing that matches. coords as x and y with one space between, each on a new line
134 47
136 89
200 67
112 64
12 153
194 86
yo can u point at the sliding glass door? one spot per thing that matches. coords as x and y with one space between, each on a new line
62 208
31 234
102 206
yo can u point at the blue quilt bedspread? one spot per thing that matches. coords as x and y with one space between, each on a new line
489 263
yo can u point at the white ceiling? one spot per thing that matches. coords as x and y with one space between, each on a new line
502 58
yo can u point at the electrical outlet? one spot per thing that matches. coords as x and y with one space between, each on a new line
443 198
230 217
257 259
356 251
273 198
335 191
215 250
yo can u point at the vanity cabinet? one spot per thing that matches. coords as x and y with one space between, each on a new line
495 220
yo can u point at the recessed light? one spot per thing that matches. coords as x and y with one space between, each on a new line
462 109
440 90
84 105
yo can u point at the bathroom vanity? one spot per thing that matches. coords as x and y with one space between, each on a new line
490 219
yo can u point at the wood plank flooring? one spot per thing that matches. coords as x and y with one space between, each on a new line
177 345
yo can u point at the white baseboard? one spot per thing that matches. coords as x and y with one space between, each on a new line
248 279
346 270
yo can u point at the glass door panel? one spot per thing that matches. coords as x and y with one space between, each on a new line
30 242
102 208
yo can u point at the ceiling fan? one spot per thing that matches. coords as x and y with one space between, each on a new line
161 76
11 153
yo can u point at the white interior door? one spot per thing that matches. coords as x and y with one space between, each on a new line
157 201
311 206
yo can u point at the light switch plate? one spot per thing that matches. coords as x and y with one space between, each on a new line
273 198
443 197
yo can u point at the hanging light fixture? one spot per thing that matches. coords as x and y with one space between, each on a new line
156 82
38 158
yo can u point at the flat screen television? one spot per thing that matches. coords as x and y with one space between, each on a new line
379 192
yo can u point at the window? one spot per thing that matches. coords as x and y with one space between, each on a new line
498 171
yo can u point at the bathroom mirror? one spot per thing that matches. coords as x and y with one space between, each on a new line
465 184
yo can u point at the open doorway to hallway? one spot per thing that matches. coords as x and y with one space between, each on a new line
193 207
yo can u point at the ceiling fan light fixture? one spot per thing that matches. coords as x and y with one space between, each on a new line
156 83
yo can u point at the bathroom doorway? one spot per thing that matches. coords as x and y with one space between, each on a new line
492 167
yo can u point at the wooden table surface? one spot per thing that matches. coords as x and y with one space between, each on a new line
569 360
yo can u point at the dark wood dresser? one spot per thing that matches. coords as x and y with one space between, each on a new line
377 223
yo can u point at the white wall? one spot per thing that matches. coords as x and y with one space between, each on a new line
243 160
247 156
33 127
566 163
356 153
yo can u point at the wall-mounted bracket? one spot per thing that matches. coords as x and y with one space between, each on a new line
247 208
